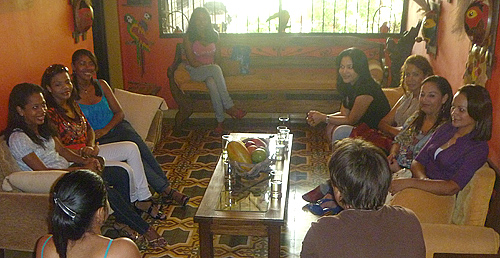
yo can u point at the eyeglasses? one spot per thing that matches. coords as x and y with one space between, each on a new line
54 69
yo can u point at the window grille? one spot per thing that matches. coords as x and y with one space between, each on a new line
288 16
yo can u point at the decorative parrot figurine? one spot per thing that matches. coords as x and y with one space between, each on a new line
476 21
137 30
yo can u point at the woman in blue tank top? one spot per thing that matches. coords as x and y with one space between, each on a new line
105 115
80 208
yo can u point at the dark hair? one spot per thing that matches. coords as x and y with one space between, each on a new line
421 63
19 98
74 58
480 109
359 170
444 88
77 196
193 32
47 76
359 65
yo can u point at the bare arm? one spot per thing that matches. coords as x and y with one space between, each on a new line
114 105
191 58
438 187
361 104
386 124
91 149
217 53
393 163
123 248
418 170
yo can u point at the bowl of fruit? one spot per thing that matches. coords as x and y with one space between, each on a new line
249 157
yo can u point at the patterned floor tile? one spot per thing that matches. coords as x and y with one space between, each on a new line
189 157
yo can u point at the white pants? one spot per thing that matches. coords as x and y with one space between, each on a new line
126 154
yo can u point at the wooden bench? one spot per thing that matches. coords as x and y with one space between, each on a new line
288 74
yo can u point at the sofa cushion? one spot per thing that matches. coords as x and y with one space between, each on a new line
473 201
268 80
449 238
428 207
139 109
8 164
32 181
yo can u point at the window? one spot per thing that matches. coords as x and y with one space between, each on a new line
295 16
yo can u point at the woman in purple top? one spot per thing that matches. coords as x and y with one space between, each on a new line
457 149
202 52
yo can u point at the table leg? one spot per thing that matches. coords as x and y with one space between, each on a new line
274 241
206 240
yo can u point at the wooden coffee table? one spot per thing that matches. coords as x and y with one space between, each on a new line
242 220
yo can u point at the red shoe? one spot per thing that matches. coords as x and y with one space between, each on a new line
314 195
236 113
219 129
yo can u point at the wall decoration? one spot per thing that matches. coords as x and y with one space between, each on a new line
137 31
138 3
431 9
83 17
480 20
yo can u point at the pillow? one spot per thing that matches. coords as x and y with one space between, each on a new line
31 181
230 67
139 109
428 207
8 164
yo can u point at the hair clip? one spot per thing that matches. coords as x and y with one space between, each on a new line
65 208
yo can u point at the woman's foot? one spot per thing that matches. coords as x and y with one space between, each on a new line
314 195
236 113
219 129
150 208
125 230
154 239
172 194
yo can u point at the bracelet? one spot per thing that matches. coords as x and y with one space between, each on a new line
327 119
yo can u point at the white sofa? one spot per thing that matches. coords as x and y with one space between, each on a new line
24 204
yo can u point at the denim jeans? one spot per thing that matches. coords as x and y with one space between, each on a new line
154 173
117 185
214 79
126 154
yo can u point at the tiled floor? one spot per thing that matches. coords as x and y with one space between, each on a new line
189 158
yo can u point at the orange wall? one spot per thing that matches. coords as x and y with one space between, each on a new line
156 61
453 49
35 34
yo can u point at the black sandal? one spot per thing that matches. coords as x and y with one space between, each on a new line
159 215
125 230
177 196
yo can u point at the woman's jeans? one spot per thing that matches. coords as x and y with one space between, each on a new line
154 173
214 79
126 155
117 184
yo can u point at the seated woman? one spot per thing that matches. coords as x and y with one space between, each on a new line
456 150
35 146
362 98
80 209
105 115
434 101
360 177
75 133
414 70
201 45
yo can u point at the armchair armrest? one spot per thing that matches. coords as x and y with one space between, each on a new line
142 113
24 220
449 238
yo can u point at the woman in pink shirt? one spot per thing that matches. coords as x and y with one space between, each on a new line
202 52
